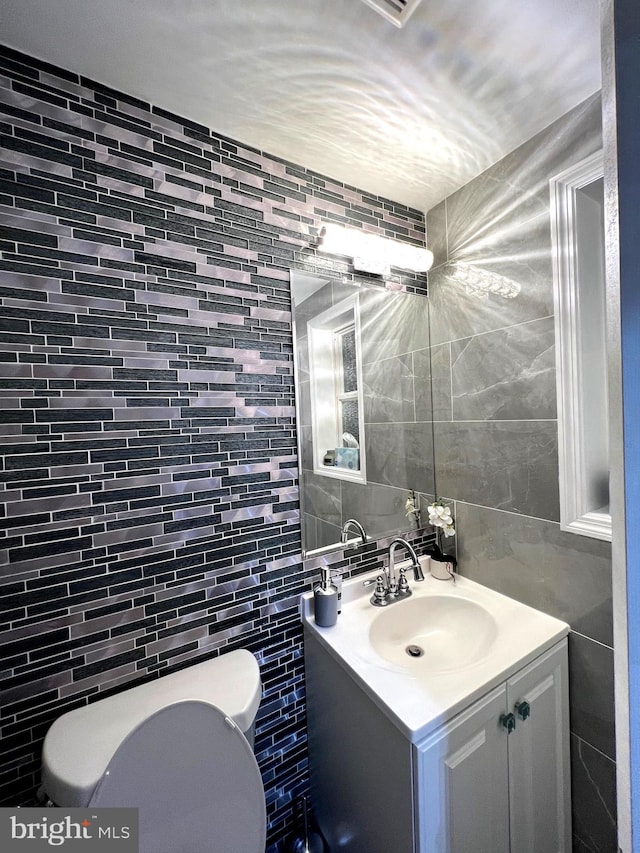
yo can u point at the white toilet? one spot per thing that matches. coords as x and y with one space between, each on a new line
179 749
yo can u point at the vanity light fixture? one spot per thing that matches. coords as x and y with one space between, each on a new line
370 252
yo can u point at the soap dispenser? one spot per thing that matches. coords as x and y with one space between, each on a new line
325 600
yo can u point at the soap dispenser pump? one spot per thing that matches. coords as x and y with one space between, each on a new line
325 600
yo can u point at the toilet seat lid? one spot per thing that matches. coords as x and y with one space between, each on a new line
195 780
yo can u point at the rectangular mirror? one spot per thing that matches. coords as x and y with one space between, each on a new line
363 407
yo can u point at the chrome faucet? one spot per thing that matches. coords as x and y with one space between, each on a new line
415 564
388 588
352 522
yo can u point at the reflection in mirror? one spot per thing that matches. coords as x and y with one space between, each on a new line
363 407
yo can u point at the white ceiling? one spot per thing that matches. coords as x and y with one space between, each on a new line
410 114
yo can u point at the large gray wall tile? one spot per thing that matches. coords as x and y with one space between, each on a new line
508 374
400 455
388 387
535 562
593 782
508 465
322 497
392 323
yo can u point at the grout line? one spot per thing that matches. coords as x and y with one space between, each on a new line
592 640
502 421
499 329
509 512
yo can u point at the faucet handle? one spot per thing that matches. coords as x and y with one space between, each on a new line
403 584
379 597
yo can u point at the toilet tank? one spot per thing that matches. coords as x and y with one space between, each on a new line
79 745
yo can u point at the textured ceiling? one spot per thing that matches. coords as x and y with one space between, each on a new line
410 114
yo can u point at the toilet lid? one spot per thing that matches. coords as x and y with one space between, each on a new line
194 778
70 771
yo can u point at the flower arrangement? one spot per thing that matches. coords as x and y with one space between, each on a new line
440 516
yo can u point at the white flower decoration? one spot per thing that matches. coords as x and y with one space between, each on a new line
440 516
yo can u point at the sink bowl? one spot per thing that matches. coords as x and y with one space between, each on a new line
435 633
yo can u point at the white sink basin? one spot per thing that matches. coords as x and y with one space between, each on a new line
472 639
433 633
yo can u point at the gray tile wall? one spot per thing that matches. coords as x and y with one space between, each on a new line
149 512
496 436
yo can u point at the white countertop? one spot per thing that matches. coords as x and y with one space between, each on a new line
415 699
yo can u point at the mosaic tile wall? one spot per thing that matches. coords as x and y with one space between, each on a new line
150 504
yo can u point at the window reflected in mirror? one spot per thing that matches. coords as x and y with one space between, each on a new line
335 392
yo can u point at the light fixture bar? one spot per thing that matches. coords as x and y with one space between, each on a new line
372 253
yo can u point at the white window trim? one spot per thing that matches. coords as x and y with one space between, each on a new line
324 418
575 515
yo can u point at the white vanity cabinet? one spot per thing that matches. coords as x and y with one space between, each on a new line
469 786
496 777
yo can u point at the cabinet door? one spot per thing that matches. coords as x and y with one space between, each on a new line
539 781
461 782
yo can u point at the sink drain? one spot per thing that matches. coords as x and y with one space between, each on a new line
414 651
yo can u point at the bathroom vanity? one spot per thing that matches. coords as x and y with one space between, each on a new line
439 724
